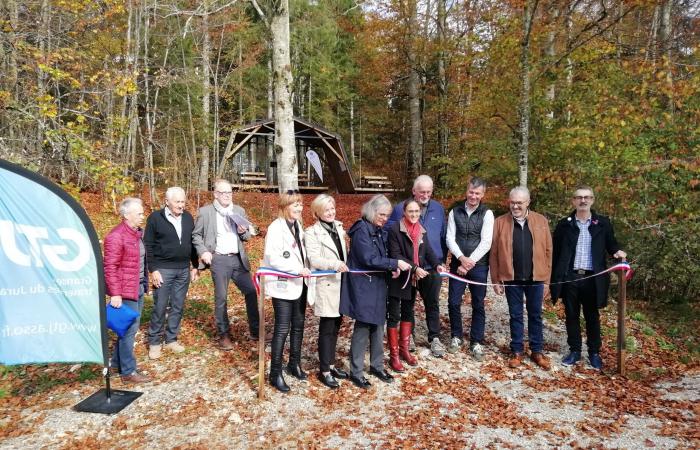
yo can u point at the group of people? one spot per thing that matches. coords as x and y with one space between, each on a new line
393 254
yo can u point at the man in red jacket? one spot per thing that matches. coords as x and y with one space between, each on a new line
126 279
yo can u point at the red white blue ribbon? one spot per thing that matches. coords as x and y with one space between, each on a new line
620 267
270 272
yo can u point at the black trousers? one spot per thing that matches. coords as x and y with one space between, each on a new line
400 310
328 328
429 288
581 294
289 320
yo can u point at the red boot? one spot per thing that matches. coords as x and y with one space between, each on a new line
406 328
393 338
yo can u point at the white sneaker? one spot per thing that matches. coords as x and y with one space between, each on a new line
175 347
437 348
154 351
478 352
455 344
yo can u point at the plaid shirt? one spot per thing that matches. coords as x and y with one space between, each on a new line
583 259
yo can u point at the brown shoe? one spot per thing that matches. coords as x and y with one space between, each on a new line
254 337
515 360
136 378
225 343
541 360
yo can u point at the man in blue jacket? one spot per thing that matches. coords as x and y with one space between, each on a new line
432 217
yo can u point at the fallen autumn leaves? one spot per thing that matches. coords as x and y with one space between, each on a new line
206 398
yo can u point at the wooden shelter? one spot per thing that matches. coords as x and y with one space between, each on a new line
253 164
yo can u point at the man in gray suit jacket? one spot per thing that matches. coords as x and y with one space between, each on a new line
218 236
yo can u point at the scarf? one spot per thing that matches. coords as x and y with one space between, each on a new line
226 212
414 232
335 236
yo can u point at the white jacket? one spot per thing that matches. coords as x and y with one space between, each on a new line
322 254
282 253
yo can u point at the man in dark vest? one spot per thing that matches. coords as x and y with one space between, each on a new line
582 242
469 232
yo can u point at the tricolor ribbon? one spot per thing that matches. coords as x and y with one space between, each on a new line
270 272
620 267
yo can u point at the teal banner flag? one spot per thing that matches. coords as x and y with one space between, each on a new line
51 277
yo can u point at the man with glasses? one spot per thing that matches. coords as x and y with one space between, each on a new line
582 242
432 218
219 232
521 264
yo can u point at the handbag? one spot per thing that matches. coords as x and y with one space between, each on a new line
120 319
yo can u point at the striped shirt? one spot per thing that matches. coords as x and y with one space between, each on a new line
583 259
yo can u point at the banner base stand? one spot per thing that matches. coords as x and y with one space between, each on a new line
102 403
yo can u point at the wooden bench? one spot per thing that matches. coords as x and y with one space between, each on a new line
376 181
253 177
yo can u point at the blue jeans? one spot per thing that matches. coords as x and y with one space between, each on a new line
534 293
454 304
123 352
171 293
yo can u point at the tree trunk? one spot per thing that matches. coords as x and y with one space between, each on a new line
415 155
443 130
206 104
352 131
282 80
523 146
569 60
666 31
550 52
651 43
270 170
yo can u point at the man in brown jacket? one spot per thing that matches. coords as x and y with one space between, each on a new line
521 260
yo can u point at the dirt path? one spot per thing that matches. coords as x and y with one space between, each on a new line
206 398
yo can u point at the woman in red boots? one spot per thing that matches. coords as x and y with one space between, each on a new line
407 242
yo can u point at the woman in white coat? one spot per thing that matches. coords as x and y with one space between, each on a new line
326 250
284 251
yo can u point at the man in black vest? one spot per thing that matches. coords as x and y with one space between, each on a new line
582 242
469 233
169 250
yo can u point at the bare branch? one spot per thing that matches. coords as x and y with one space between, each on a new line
260 13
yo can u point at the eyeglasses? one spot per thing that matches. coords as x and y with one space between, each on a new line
583 197
292 191
517 203
224 192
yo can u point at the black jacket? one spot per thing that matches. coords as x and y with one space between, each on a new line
401 247
603 243
163 249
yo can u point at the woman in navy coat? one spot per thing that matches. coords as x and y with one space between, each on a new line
363 296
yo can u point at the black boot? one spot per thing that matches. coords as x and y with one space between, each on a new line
277 381
294 366
276 378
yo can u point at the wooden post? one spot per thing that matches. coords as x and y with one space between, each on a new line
261 341
621 313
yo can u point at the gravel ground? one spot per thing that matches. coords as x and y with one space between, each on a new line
206 398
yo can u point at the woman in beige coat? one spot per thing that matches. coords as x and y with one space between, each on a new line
326 250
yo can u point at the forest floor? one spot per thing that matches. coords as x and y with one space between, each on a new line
207 398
